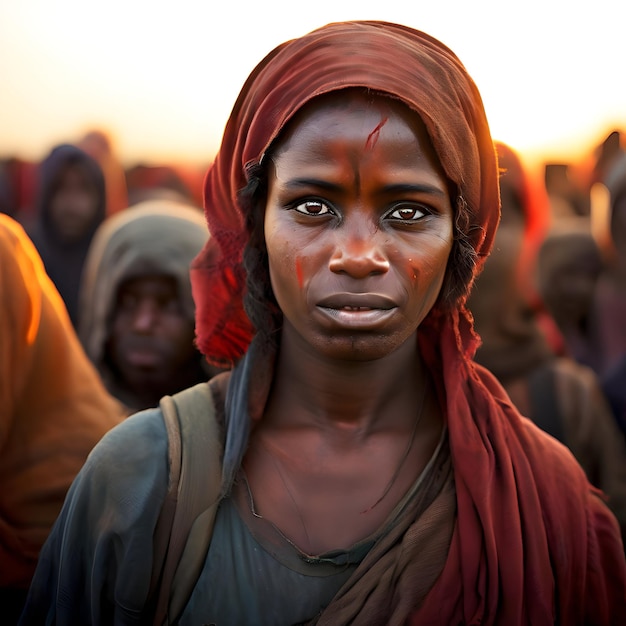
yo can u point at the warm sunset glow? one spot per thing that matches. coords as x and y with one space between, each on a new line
161 77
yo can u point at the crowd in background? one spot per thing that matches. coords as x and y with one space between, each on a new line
550 305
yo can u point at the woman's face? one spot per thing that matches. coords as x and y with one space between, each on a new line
358 226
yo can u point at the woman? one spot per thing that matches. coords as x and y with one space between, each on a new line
371 474
53 410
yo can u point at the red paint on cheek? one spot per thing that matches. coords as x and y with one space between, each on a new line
410 270
299 273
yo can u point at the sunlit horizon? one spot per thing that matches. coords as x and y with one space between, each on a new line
161 78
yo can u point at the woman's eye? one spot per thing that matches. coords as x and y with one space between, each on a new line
407 213
313 207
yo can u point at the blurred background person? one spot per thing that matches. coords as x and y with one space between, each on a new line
605 155
608 316
561 396
7 201
568 266
146 182
20 176
70 205
53 410
99 145
137 311
566 194
609 304
614 387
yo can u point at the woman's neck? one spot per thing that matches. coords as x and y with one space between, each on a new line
354 397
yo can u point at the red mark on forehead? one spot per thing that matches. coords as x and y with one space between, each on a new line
372 138
299 274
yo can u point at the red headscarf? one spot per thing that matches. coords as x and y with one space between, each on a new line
528 529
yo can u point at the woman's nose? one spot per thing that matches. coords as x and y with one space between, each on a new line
359 251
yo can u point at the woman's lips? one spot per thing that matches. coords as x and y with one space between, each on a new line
357 311
357 301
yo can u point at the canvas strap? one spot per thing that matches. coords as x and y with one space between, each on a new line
183 531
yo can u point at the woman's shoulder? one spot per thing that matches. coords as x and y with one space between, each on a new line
138 437
133 453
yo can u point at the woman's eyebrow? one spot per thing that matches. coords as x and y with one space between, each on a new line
425 188
298 183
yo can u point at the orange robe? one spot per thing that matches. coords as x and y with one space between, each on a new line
53 406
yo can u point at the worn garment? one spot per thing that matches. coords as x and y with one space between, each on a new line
534 541
64 260
263 579
111 512
53 406
126 476
242 583
155 237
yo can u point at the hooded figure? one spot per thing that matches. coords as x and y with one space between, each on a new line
70 206
143 348
53 410
352 201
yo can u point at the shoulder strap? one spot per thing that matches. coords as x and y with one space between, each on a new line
545 411
185 524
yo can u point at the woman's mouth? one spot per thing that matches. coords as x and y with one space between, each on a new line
357 311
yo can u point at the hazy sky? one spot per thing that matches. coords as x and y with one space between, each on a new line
163 76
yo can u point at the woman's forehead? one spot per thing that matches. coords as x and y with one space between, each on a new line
336 113
352 100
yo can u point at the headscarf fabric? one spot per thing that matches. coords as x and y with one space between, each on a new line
530 546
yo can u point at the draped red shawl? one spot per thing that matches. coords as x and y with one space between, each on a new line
532 543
